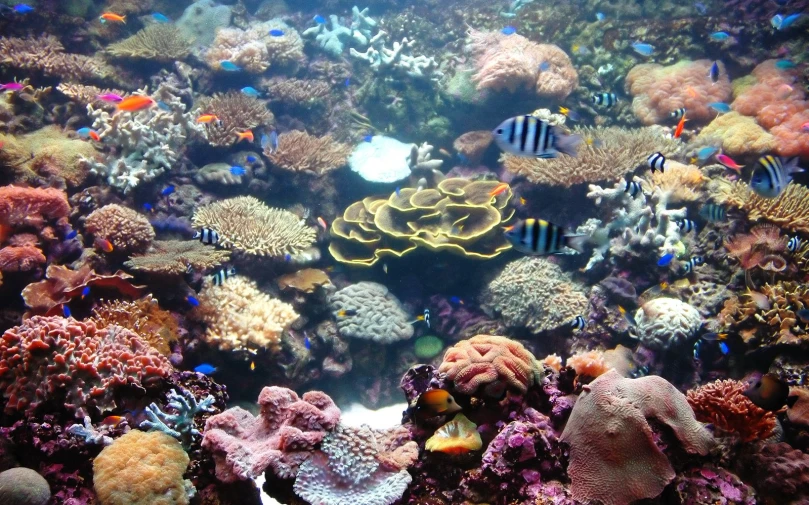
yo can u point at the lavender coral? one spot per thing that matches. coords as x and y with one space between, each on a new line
377 314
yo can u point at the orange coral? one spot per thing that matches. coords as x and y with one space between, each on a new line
589 364
20 258
490 363
723 404
31 206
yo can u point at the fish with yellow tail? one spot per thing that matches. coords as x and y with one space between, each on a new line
540 237
433 403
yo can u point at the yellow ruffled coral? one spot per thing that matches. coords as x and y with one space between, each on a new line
740 135
683 183
456 437
241 316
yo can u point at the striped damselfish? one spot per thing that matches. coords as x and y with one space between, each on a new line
529 136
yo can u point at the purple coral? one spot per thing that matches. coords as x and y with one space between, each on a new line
710 485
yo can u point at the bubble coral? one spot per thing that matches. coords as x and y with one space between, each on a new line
660 90
626 465
740 135
142 469
489 364
237 113
722 404
472 145
159 42
174 258
377 314
128 231
244 223
455 437
664 323
300 152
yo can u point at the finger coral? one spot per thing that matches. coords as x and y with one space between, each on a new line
790 210
239 316
722 404
158 42
174 258
377 314
237 113
741 135
72 363
300 152
488 365
244 223
127 230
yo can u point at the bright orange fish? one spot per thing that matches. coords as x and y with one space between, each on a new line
93 135
207 118
110 16
322 223
499 189
104 245
680 126
245 135
135 103
113 420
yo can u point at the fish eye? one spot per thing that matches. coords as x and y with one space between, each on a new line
499 131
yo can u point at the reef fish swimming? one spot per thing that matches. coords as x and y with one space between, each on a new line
432 403
529 136
772 174
769 392
540 237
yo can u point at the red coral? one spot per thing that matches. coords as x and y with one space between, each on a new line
56 359
281 437
723 404
31 206
20 258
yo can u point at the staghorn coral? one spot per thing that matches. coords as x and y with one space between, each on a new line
237 112
31 207
488 364
53 359
665 323
534 293
84 94
127 230
459 216
377 314
144 317
473 144
244 223
660 90
300 152
789 210
722 404
740 135
627 465
775 322
296 91
606 154
239 316
174 258
159 42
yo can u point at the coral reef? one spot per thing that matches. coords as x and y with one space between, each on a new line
368 311
23 486
789 210
665 323
300 152
158 42
236 113
145 317
740 135
175 257
47 55
127 231
722 404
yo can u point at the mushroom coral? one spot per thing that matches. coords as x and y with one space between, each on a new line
458 216
456 437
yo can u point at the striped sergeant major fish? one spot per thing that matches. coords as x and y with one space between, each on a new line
794 243
686 225
222 275
605 99
529 136
578 323
692 263
539 237
677 113
656 161
633 188
772 174
207 236
713 212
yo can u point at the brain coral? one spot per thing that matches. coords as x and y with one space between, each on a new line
534 293
666 322
142 469
379 315
23 486
246 224
660 90
127 230
613 455
490 363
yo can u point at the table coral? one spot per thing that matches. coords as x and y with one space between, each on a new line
298 151
626 464
53 359
244 223
722 404
790 210
659 90
740 135
127 230
174 258
283 435
377 314
665 323
237 113
534 293
489 364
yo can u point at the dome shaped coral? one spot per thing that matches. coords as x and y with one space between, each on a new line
128 231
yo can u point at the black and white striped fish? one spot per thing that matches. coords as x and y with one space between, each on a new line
656 161
222 275
794 243
529 136
578 323
772 174
537 237
605 99
692 263
207 236
677 113
633 188
686 225
713 212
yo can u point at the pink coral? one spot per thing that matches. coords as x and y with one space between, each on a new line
57 359
281 437
512 62
722 404
613 455
31 206
660 90
20 258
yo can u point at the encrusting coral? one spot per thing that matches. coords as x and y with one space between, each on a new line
377 314
722 404
236 113
158 42
244 223
175 257
128 231
300 152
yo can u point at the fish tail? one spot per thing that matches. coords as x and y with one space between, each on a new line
567 144
791 167
577 242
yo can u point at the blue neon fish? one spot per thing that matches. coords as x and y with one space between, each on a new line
724 348
66 311
320 19
85 292
368 138
508 30
229 66
275 32
237 170
192 300
148 207
706 152
167 190
665 259
643 49
788 21
250 91
720 107
600 16
161 18
544 66
163 106
73 234
205 369
23 9
784 64
307 343
251 159
719 36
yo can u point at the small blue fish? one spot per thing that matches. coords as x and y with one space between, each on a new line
84 132
600 16
544 66
161 18
714 72
776 21
455 300
73 234
320 19
148 207
368 138
307 343
347 82
788 21
237 170
275 32
85 292
251 159
665 259
23 9
643 49
229 66
724 348
192 300
163 106
508 30
784 64
706 152
66 311
719 36
167 190
205 369
720 107
287 257
250 91
398 191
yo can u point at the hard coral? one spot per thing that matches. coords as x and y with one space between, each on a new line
300 152
237 113
144 317
158 42
128 231
664 323
489 364
740 135
53 359
31 207
377 314
283 435
722 404
175 257
626 464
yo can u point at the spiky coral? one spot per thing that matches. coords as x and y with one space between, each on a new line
128 231
300 152
159 42
722 404
175 257
246 224
296 91
237 113
773 322
790 210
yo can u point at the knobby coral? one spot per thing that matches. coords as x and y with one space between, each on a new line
722 404
377 314
300 152
664 323
175 257
158 42
771 320
128 231
740 135
237 113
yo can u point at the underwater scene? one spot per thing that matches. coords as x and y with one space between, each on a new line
410 252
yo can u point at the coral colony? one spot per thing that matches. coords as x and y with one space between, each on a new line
405 253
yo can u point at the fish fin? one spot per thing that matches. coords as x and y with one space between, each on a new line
576 242
567 144
791 167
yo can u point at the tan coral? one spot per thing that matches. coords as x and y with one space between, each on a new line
158 42
790 209
741 135
47 55
84 94
244 223
236 112
300 152
682 183
175 257
296 91
127 230
144 317
306 280
473 144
